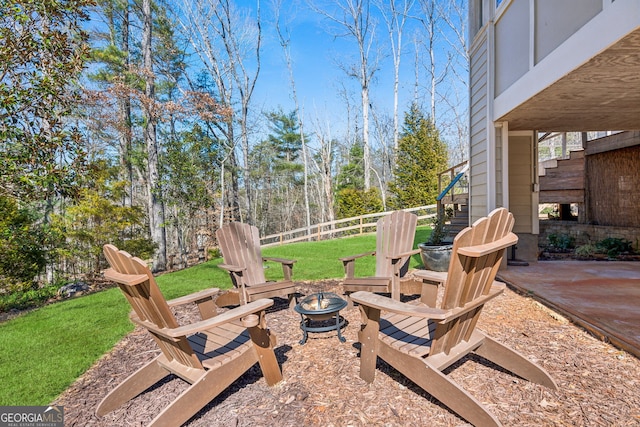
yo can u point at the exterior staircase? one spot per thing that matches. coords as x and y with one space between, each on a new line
562 181
459 221
454 192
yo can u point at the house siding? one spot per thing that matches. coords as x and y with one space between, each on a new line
556 21
499 177
512 49
478 128
520 178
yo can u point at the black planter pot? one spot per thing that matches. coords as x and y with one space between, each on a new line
435 257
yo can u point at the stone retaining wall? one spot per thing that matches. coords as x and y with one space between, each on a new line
586 233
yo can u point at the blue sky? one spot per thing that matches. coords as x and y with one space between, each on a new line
315 53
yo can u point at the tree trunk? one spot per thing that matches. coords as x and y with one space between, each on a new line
365 135
357 22
233 198
284 42
154 192
125 114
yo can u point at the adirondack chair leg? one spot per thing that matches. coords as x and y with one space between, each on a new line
244 296
442 388
459 401
395 288
203 391
263 343
207 308
368 338
293 300
514 362
135 384
228 298
395 280
349 268
429 294
348 299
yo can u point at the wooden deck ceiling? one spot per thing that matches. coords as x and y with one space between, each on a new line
602 94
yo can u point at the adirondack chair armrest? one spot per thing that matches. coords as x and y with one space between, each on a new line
438 277
383 303
349 263
232 268
354 257
287 265
221 319
496 289
280 260
194 297
482 250
125 279
403 254
432 281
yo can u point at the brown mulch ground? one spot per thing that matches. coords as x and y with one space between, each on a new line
599 385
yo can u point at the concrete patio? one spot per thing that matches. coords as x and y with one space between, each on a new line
601 296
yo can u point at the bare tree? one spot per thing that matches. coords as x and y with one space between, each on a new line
454 15
125 109
395 14
429 20
384 128
229 47
324 165
154 191
285 40
113 75
416 68
355 19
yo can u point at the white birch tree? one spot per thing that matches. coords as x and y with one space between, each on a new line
355 19
228 45
395 14
284 37
454 16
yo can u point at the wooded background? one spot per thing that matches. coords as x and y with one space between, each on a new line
134 122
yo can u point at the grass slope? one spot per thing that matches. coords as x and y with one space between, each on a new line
42 352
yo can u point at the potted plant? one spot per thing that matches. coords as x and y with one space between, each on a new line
436 252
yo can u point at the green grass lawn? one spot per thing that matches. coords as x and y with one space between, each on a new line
42 352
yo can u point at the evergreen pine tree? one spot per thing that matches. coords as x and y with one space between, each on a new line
421 156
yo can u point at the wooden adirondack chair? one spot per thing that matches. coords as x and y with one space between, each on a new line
243 260
394 243
421 341
209 354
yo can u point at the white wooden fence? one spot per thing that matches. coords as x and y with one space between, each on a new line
342 227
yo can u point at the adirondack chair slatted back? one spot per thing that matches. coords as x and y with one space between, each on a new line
395 234
470 277
148 303
240 245
422 339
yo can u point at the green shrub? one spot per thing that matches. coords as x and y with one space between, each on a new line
614 246
352 202
214 253
548 210
561 242
586 251
27 298
22 245
438 230
96 218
